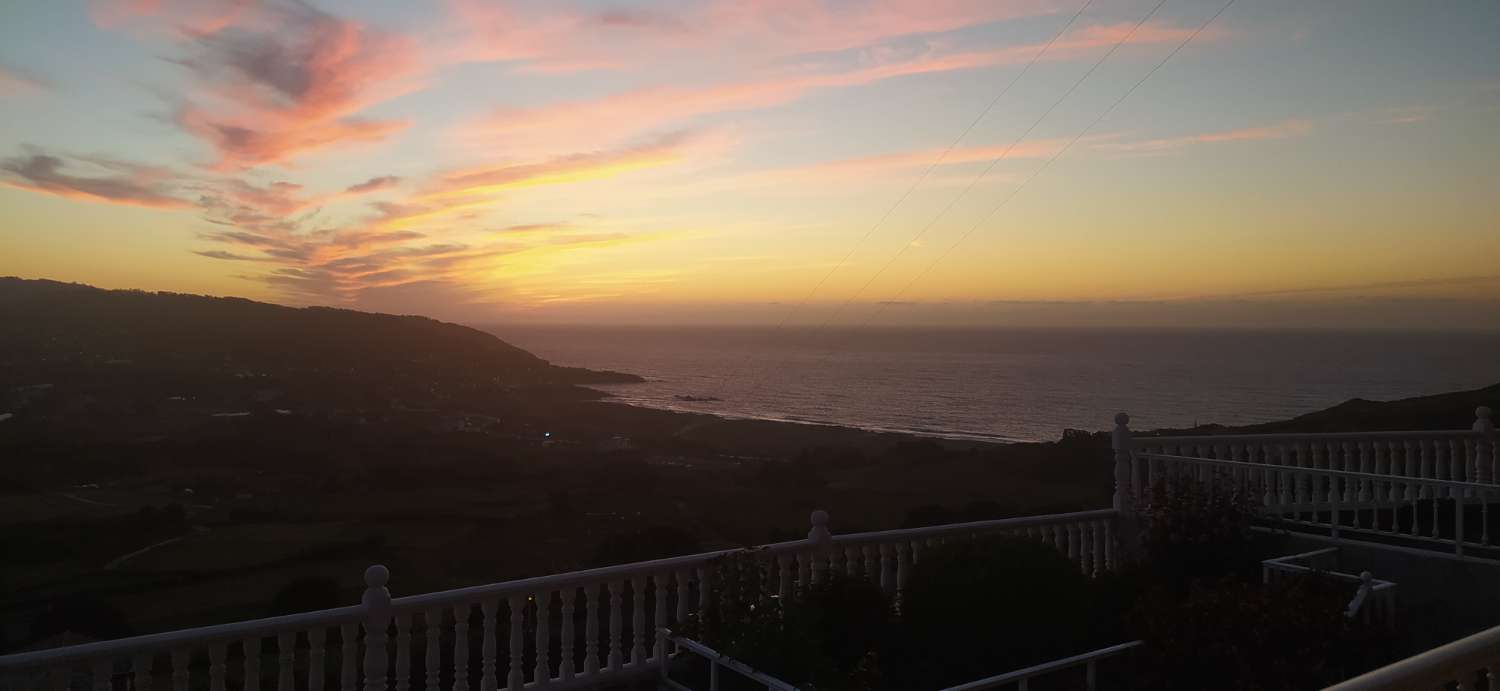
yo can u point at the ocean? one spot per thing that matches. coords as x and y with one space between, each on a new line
1026 385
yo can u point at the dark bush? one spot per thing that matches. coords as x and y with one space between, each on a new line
979 608
1193 531
1240 635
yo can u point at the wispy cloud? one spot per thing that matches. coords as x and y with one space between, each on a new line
554 38
1285 129
108 181
374 185
623 114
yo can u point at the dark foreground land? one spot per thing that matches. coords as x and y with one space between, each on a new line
175 460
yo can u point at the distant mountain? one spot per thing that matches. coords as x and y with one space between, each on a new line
47 321
1453 410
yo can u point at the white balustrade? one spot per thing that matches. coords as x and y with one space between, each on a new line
1394 511
1467 663
1467 455
1374 600
384 642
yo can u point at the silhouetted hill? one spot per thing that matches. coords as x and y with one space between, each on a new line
1453 410
42 321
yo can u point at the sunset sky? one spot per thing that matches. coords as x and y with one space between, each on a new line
1300 163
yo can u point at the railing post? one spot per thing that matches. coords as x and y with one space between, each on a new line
377 602
1484 445
1124 476
819 539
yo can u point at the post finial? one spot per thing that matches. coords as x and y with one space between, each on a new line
1365 577
376 594
1483 414
819 532
1122 419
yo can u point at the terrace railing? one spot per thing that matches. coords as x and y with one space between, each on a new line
1467 663
1463 456
1374 600
568 630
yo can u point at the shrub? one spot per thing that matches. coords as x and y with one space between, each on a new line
1195 531
1242 636
979 608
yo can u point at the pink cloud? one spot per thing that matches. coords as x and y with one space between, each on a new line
603 119
286 80
1282 130
741 31
186 17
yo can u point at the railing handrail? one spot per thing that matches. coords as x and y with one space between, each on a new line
1448 662
992 524
598 574
1045 667
715 657
1326 471
156 642
1310 436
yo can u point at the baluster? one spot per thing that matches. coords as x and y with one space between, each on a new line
592 610
1415 513
140 666
1101 559
1455 460
1435 493
432 621
616 612
660 621
315 658
543 673
903 571
872 568
286 648
682 597
1058 538
565 648
461 614
1287 480
348 657
887 583
103 674
638 620
252 662
1071 535
181 676
1484 516
403 652
1458 525
217 652
1304 496
783 578
487 650
1085 548
515 676
1267 475
819 567
804 572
